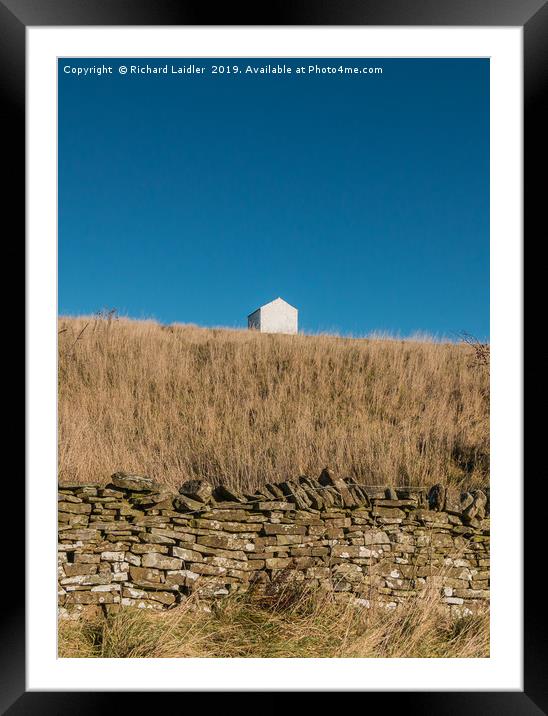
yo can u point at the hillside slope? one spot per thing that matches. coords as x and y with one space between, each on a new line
175 402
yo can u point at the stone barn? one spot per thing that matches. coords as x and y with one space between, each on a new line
278 316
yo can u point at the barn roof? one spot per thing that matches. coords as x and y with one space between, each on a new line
270 303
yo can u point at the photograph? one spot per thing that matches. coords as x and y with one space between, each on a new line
274 352
273 357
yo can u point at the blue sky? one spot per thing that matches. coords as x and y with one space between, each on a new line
363 200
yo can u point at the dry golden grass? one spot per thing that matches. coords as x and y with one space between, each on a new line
308 627
175 402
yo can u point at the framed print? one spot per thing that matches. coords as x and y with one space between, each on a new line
267 257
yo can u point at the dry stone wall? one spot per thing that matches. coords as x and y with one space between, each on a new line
134 543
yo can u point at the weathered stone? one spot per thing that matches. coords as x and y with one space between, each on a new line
198 490
287 529
316 530
265 493
160 561
427 516
472 593
145 576
129 512
166 598
85 579
410 493
166 507
452 502
309 551
113 556
114 588
73 570
67 497
295 539
153 538
374 537
222 515
328 480
392 513
208 569
358 492
395 503
477 509
227 562
78 488
373 492
453 600
187 555
350 572
181 577
295 494
274 491
117 527
135 483
225 526
151 521
97 495
471 521
223 494
187 504
219 552
436 497
141 603
74 520
77 535
86 558
91 598
349 551
226 542
229 505
313 491
143 548
272 506
81 508
275 563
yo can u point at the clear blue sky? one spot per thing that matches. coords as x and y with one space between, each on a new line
361 200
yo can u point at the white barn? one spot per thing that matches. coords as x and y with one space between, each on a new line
278 316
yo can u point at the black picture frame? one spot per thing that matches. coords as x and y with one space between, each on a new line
532 16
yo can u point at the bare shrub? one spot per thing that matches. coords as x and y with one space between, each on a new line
481 351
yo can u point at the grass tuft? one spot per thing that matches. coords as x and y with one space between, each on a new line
311 627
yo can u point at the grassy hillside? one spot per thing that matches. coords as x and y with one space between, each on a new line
174 402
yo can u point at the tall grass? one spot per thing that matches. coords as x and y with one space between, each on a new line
175 402
308 627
